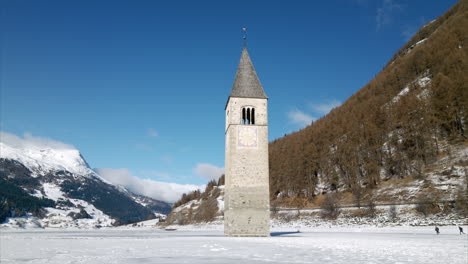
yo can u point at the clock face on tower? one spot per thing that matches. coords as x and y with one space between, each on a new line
247 136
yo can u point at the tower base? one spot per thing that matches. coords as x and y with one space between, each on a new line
247 222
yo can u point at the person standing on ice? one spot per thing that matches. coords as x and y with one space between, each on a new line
437 229
461 230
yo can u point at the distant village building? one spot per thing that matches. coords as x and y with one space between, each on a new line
247 199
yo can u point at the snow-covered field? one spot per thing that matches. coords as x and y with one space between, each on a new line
208 245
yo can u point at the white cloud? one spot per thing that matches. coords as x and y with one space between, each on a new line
30 141
208 171
325 108
300 118
361 2
409 30
152 132
185 149
168 159
303 119
386 12
169 192
143 147
156 174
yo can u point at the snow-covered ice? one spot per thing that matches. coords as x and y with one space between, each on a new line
151 245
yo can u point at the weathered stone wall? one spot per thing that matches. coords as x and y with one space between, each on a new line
247 188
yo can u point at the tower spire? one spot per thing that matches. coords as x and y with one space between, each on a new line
246 83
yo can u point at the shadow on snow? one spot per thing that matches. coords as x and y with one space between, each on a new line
283 233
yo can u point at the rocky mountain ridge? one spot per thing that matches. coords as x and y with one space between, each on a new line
53 186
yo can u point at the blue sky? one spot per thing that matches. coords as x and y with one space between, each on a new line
141 86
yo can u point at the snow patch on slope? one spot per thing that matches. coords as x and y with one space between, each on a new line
421 81
400 94
53 191
62 217
220 199
415 45
424 81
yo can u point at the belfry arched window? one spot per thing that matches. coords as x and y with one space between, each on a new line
252 116
244 117
248 116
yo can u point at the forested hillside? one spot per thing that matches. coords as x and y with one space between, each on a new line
411 115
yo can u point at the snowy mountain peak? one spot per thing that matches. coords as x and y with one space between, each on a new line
43 155
61 190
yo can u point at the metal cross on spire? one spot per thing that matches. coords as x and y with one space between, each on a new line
244 37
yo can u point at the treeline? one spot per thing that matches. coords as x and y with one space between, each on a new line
15 202
376 135
196 195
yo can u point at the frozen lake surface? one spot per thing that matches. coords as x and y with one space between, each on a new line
150 245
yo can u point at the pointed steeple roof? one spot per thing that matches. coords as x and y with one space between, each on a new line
247 83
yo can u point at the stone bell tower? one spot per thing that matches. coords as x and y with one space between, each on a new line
247 199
